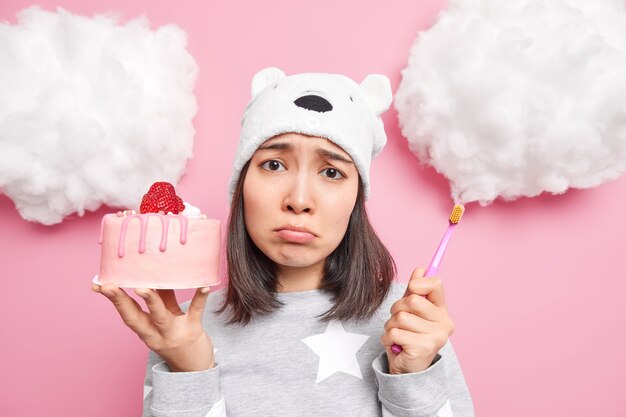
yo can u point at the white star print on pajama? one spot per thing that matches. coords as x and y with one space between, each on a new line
337 351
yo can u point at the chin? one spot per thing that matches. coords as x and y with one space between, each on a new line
295 256
298 262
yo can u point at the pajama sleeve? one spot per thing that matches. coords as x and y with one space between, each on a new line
181 394
438 391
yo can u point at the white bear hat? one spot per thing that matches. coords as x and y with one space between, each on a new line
331 106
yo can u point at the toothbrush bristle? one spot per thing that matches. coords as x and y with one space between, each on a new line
457 213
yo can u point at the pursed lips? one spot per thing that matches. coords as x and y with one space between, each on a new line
295 234
295 229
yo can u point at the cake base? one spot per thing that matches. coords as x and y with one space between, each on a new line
178 286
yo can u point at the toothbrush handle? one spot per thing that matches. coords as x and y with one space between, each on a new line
434 263
434 266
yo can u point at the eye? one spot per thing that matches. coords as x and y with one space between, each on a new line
272 165
333 173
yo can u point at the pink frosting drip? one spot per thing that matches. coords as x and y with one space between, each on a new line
183 228
102 228
143 218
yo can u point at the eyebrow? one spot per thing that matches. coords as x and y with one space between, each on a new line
323 152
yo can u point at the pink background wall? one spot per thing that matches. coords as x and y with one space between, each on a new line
536 287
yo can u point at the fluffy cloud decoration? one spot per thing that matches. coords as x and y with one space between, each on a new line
515 98
91 111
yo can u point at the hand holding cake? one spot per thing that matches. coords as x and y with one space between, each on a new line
169 244
177 337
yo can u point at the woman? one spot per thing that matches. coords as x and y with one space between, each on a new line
306 323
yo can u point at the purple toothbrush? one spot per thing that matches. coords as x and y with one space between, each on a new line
455 217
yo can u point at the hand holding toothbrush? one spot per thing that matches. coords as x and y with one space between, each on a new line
455 217
419 323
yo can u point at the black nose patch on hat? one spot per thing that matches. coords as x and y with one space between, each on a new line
315 103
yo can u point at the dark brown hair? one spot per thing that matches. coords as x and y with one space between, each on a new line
358 273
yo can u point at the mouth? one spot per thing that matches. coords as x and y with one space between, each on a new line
295 234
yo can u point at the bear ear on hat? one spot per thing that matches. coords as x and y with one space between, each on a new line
264 78
377 91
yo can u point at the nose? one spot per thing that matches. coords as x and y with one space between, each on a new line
299 196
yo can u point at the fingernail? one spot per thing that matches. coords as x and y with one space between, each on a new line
205 290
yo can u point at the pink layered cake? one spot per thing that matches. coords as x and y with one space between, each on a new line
169 244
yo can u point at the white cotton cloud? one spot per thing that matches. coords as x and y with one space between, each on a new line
515 98
91 111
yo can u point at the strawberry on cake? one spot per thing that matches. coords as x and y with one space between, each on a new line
168 244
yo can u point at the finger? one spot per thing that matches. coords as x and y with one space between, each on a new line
198 302
129 310
418 305
159 315
417 273
170 302
429 287
437 294
398 336
109 289
410 322
412 342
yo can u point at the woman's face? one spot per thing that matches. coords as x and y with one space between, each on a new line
299 181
